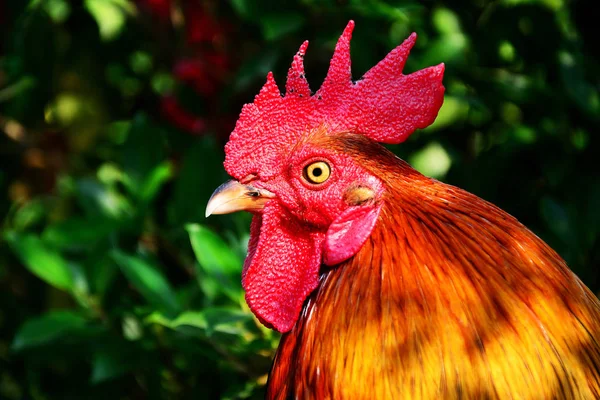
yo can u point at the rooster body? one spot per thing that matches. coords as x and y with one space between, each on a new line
386 283
450 298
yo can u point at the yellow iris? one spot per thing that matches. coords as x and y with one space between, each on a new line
317 172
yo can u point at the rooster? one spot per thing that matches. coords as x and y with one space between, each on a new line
387 284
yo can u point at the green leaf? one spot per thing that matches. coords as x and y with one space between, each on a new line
157 177
148 280
450 49
216 259
100 201
139 154
76 232
46 329
110 16
209 320
557 219
446 21
131 327
583 93
107 366
43 261
253 70
276 25
212 252
117 131
432 160
115 357
224 320
192 188
454 110
162 83
58 10
29 214
141 62
246 9
101 270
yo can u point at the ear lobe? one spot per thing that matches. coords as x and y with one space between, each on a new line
347 234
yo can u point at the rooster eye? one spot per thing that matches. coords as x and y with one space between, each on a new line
317 172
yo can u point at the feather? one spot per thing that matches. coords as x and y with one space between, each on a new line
450 298
387 283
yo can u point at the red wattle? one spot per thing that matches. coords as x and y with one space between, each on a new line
347 234
282 266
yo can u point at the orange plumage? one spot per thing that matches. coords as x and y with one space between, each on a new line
450 298
386 283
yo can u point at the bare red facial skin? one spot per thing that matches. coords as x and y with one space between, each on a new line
282 267
308 225
305 226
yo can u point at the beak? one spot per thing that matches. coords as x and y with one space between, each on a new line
232 196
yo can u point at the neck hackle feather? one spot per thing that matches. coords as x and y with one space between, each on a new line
449 297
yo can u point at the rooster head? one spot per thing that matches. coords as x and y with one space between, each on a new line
313 203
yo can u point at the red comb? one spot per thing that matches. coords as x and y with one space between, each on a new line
384 105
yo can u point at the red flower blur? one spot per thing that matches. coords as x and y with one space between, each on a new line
206 64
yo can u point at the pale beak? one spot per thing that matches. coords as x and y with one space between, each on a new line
233 196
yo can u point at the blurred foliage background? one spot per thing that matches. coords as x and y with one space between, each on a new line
113 116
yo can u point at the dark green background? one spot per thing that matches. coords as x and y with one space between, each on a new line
113 117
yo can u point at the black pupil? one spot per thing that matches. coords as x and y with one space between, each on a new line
317 171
